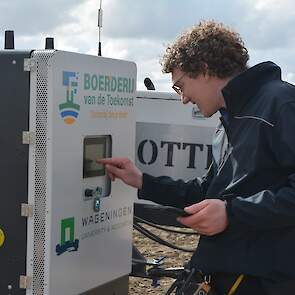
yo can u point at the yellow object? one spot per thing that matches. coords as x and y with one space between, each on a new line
2 237
236 284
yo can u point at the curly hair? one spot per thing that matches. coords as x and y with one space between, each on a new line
208 46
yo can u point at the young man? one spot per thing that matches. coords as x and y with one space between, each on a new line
244 208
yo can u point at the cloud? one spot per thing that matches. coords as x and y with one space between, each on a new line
139 30
34 17
165 19
269 24
146 53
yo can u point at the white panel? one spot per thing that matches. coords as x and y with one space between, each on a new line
167 108
83 248
172 139
178 151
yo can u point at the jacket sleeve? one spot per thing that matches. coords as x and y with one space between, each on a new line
177 193
273 209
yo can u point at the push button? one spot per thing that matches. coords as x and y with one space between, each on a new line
96 205
88 193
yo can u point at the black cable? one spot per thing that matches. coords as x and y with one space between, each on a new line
164 228
178 282
187 281
172 287
155 238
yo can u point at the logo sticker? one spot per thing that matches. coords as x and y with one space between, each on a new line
69 110
67 241
2 237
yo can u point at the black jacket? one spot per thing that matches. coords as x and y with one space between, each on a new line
255 174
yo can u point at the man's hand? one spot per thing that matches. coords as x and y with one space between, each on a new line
208 218
124 169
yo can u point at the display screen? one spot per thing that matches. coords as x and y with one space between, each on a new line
94 148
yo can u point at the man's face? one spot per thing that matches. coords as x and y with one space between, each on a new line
202 91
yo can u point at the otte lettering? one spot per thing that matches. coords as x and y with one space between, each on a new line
170 147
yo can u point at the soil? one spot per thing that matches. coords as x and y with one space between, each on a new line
153 250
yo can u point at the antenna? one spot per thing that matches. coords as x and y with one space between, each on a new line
99 28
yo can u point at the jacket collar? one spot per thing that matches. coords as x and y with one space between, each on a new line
243 87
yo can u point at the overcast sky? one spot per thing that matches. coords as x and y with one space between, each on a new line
139 30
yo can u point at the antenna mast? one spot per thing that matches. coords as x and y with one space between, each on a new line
99 28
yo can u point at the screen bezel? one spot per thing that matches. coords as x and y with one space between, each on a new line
94 141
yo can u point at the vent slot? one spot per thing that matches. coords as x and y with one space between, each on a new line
40 175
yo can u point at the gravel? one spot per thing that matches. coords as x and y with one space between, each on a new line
153 250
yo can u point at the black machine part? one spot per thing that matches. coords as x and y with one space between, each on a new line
49 43
149 84
9 40
163 215
14 112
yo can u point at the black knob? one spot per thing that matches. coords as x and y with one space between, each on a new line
49 43
9 40
88 192
149 84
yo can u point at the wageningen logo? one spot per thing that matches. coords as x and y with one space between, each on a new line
67 241
69 110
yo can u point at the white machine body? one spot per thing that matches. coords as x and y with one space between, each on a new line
172 139
81 109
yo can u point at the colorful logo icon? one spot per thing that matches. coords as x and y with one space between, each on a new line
69 110
67 241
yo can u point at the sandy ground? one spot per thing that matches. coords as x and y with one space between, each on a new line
152 250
